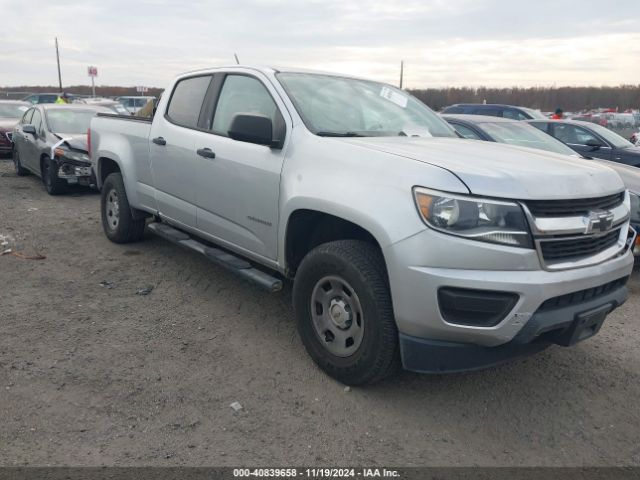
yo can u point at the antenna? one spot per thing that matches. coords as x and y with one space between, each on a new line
401 72
237 61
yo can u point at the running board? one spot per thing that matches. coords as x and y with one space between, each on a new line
232 263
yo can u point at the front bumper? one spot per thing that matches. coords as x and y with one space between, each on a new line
462 264
563 326
75 174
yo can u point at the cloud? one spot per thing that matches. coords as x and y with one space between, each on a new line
453 42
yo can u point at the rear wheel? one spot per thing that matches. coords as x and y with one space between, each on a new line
344 312
118 220
20 171
49 171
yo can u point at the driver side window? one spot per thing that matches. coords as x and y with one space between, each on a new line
242 94
37 121
573 134
26 118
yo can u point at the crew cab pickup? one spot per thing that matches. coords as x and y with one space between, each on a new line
405 243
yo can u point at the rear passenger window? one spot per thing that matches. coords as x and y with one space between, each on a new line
242 94
186 101
488 112
466 132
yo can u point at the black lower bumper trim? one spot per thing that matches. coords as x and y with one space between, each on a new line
564 326
435 356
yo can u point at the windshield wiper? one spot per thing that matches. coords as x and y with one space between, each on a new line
339 134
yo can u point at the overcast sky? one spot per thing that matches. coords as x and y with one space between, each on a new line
443 43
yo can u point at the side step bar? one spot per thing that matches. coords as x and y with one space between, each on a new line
220 257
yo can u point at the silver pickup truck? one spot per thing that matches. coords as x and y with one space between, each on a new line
406 244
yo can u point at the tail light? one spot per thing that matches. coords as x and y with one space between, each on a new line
89 142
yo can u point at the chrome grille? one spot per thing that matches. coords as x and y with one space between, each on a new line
572 208
579 232
565 249
9 135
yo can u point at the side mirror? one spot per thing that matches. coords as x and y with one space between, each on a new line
594 144
253 128
29 129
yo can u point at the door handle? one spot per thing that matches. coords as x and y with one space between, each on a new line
206 152
159 141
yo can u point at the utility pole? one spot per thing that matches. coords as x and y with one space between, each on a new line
401 72
58 60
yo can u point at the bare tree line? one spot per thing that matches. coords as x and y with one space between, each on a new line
572 99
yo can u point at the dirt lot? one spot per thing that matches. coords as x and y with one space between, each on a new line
95 374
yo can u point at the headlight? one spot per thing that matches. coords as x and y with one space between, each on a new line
71 155
474 218
635 207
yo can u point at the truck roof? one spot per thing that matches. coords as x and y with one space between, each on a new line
273 69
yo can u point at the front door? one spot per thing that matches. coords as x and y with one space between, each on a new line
238 190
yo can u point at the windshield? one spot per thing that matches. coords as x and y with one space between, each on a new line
338 106
525 135
69 121
612 137
12 111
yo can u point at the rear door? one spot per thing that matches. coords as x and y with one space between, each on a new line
29 155
18 138
172 150
238 190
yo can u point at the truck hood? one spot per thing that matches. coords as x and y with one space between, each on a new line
503 171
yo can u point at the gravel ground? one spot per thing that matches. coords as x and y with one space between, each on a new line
92 373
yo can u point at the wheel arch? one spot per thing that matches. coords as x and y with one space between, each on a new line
306 228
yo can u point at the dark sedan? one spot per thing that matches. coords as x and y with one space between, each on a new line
591 140
51 141
501 130
494 110
11 111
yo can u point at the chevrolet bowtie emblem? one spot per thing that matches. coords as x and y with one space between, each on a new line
599 221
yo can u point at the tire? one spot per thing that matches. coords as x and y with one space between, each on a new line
344 312
20 170
118 220
50 180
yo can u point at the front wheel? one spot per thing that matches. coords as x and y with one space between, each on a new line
118 221
49 172
344 312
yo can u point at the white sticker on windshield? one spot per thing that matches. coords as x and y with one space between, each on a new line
394 97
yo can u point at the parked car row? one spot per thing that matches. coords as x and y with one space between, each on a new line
406 244
50 141
547 136
123 105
